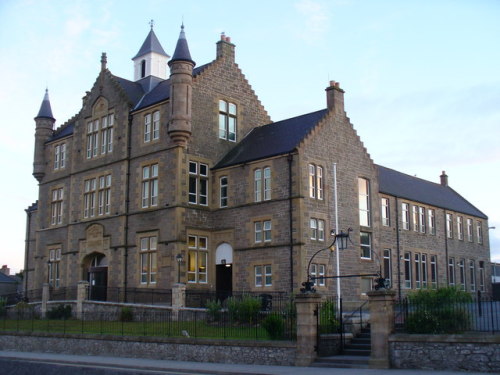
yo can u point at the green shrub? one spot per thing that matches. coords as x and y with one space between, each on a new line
438 311
245 310
3 309
232 306
328 317
248 309
274 324
62 312
126 314
214 310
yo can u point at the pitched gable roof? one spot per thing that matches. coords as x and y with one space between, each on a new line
274 139
151 44
416 189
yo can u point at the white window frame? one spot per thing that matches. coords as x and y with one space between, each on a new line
228 120
57 206
60 156
449 226
197 257
451 271
472 275
421 219
431 214
405 215
407 270
365 247
479 232
149 197
364 202
148 260
223 184
385 210
198 183
434 271
461 273
460 228
470 230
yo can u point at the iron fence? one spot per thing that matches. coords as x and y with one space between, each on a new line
184 323
270 301
476 315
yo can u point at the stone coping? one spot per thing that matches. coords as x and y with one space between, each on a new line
153 339
472 337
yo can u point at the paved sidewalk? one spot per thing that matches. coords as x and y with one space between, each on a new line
157 366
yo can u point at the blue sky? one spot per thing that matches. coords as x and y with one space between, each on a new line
422 78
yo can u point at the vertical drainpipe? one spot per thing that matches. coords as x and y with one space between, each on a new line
26 250
290 211
127 204
446 251
398 250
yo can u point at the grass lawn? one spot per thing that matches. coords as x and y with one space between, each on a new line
169 328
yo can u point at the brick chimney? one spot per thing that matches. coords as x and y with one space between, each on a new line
444 179
5 270
335 97
225 49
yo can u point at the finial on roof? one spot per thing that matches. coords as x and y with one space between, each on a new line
151 23
45 109
104 61
181 52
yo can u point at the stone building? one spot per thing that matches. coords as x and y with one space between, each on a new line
184 163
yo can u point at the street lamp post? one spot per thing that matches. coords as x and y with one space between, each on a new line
179 260
340 243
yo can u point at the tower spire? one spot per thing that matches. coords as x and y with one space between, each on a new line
44 127
181 82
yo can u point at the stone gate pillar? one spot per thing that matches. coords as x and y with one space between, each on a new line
306 304
381 305
178 299
81 295
45 299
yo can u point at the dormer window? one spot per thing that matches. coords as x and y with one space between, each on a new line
227 120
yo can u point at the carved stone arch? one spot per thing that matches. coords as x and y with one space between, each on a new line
100 107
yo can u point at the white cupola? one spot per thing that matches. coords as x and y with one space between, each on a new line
151 60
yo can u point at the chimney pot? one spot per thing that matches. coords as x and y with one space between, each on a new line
444 179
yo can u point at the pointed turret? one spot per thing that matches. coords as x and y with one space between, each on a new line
45 109
181 81
182 50
44 128
151 60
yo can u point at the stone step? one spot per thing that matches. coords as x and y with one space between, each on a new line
342 361
357 352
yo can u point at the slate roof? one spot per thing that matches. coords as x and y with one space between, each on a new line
63 132
162 91
45 109
7 279
416 189
133 90
151 44
181 52
270 140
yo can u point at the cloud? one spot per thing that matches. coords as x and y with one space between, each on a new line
315 19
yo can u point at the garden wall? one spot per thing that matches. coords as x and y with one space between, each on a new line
181 349
467 352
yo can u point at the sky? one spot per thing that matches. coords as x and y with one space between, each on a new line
422 78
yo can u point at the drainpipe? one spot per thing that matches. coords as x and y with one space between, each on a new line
290 211
127 204
446 251
398 250
26 250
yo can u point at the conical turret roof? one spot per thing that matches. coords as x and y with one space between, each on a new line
181 49
45 109
151 44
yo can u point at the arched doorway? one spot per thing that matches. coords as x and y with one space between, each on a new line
224 271
96 269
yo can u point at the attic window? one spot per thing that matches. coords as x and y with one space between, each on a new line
227 120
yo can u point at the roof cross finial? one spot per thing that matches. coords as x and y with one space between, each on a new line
151 23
